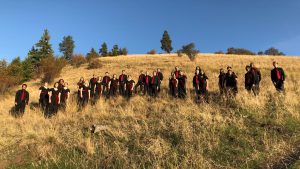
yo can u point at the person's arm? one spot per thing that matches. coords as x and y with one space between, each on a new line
27 100
207 84
50 95
89 93
283 75
68 95
132 86
16 98
81 89
59 94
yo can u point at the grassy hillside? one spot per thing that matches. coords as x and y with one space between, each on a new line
250 132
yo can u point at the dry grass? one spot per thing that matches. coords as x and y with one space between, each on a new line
164 132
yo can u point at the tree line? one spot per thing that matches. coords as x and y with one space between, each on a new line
40 61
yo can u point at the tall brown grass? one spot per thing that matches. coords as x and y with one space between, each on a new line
247 132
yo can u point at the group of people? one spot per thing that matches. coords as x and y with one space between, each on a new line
53 99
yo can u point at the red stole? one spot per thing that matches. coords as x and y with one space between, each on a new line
23 95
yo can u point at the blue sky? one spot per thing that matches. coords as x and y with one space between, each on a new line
138 24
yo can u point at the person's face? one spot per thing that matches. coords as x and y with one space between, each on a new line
221 71
142 72
158 70
46 84
129 77
154 73
202 72
81 79
147 73
230 71
197 71
181 73
248 69
275 65
106 74
66 84
56 85
176 68
23 87
123 72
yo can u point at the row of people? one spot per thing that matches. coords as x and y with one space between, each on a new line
51 99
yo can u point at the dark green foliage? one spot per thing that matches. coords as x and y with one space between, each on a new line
44 47
166 42
27 70
115 51
273 52
123 51
91 55
189 50
239 51
67 47
103 50
219 52
260 53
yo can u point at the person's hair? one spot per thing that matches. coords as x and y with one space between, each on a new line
248 67
56 83
106 72
24 85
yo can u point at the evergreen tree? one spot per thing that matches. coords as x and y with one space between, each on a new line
166 42
123 51
44 47
103 50
33 56
92 55
27 70
15 68
67 47
115 50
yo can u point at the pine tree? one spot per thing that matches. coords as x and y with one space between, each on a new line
33 56
27 70
67 47
115 50
91 55
44 47
103 50
166 42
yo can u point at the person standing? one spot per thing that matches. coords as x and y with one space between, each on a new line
98 89
278 77
113 86
93 82
122 81
140 82
147 84
161 77
173 84
65 94
182 85
80 84
249 79
256 78
44 97
196 83
105 83
129 87
21 100
154 84
221 83
231 88
203 85
177 72
54 100
85 94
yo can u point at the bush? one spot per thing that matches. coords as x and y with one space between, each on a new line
152 52
274 52
189 50
219 52
51 68
78 60
94 64
239 51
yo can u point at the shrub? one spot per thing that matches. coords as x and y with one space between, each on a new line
94 64
239 51
78 60
51 68
274 52
152 52
189 50
219 52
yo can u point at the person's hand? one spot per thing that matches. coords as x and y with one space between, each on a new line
16 103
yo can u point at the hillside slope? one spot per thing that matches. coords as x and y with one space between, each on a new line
249 132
